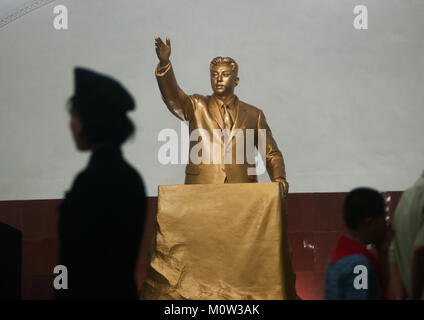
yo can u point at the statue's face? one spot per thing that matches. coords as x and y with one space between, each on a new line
223 80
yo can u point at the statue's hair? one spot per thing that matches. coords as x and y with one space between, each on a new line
226 61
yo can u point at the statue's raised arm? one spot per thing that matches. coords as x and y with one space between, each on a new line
176 100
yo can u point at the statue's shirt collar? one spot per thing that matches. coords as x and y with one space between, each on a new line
228 102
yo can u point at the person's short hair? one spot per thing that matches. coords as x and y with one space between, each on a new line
362 203
225 61
101 127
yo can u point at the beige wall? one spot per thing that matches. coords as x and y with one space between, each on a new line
345 106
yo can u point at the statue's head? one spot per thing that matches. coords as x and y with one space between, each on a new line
223 75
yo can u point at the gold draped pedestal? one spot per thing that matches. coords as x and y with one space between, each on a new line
220 242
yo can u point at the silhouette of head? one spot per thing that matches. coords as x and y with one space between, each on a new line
364 212
98 110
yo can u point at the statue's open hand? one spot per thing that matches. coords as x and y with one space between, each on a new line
163 50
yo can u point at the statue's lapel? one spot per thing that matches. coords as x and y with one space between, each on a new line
238 111
240 116
214 112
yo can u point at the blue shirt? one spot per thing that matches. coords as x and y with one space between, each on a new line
340 277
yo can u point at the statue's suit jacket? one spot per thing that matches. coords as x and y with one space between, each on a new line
202 112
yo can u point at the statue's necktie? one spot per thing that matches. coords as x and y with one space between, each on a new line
228 122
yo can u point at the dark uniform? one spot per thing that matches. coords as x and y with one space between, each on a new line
100 227
102 217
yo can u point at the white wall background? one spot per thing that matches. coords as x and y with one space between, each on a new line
345 106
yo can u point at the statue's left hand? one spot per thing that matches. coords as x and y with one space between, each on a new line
163 50
285 187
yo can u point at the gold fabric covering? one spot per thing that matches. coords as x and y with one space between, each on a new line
220 241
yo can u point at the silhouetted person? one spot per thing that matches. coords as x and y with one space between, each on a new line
102 217
354 272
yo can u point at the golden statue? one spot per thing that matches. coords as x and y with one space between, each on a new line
208 245
220 111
